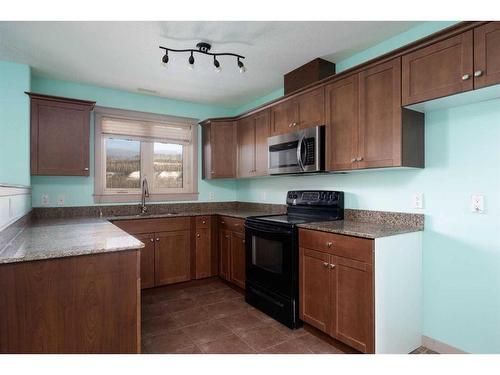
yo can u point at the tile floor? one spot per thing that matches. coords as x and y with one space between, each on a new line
209 316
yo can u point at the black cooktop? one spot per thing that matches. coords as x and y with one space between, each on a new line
290 219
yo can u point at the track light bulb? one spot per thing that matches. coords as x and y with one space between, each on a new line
164 59
217 65
242 67
191 61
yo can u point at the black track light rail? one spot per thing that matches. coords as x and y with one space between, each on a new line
202 52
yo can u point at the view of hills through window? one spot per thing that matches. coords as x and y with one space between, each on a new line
167 163
123 164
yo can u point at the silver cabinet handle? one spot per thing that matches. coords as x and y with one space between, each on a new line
329 244
353 160
465 77
197 235
86 168
212 172
332 265
478 73
359 159
204 221
157 239
223 222
325 264
294 124
152 239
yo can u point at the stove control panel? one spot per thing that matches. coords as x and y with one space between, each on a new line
315 198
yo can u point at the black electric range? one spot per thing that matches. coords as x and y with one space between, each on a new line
272 252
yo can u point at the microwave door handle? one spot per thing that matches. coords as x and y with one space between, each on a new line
299 152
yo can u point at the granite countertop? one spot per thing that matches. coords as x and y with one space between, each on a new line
240 214
362 229
57 238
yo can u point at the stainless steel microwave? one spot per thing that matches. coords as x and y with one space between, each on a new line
302 151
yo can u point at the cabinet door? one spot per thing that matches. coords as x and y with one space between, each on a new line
203 253
311 107
224 256
441 69
172 257
380 128
487 55
237 259
353 304
284 117
147 260
59 138
246 147
223 149
262 122
314 288
342 113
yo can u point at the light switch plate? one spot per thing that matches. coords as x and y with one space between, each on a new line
263 196
418 200
477 203
211 196
60 199
45 199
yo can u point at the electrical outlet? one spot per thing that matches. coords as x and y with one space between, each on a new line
263 196
418 200
60 199
477 203
211 196
45 199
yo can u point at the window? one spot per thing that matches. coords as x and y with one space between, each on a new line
132 146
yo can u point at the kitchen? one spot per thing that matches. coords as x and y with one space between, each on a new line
353 208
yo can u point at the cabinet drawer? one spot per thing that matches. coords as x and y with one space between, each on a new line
356 248
232 224
202 222
153 225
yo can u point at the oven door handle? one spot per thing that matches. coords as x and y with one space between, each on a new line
299 151
266 230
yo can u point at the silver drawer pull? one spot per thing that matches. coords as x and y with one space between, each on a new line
325 264
478 73
465 77
329 244
332 265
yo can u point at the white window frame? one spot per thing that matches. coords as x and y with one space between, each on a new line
102 194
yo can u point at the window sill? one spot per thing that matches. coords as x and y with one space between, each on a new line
136 198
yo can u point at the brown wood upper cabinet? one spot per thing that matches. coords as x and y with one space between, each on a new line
219 149
252 144
467 61
366 126
59 135
302 111
487 55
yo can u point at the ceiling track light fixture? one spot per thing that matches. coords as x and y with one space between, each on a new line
204 48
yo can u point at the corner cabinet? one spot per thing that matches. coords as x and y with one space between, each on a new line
253 132
219 149
366 126
59 135
347 289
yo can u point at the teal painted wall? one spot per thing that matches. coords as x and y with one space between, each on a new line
14 123
461 258
78 191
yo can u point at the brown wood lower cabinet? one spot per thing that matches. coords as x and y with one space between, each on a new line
232 250
80 304
172 257
147 260
336 292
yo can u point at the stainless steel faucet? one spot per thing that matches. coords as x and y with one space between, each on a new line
145 194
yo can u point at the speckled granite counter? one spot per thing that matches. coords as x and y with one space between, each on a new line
239 214
360 228
57 238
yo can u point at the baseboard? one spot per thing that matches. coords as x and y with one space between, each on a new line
440 347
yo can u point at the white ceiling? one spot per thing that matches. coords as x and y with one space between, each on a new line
125 55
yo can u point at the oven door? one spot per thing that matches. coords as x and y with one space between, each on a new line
271 256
